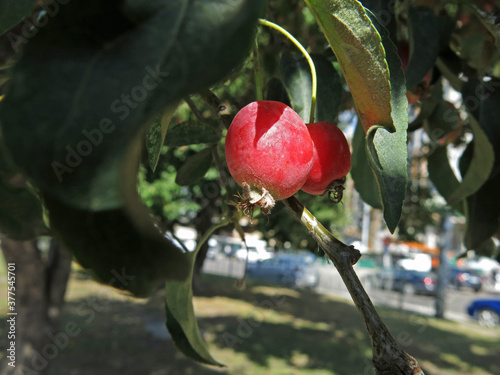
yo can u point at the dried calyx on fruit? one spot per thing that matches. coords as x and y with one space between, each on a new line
269 152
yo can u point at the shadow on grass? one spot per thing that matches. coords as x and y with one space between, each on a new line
342 343
260 330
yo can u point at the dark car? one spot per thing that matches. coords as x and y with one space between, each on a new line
486 311
291 269
463 278
407 281
414 282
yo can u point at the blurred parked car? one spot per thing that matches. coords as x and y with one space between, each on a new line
464 278
290 269
486 311
407 281
254 254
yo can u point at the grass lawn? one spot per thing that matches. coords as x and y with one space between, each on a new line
261 329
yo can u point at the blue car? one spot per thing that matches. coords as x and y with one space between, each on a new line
486 311
297 270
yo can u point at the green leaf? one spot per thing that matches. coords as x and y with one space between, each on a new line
156 135
118 252
13 12
480 166
481 99
296 76
361 172
192 132
195 167
99 72
275 90
360 53
181 321
424 45
387 152
442 176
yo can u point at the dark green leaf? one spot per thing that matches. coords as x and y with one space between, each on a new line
387 152
195 167
116 250
424 44
361 172
358 47
191 133
13 11
156 136
442 176
181 321
480 166
444 120
99 72
296 76
481 99
276 91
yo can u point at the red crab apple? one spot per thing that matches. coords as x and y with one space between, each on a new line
269 152
331 160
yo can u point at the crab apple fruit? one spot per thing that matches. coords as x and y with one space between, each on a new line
331 159
269 152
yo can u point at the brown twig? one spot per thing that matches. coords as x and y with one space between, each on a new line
388 356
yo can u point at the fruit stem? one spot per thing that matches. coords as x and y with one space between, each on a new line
314 77
259 81
388 356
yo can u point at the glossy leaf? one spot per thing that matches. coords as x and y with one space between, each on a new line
156 136
360 53
387 152
94 91
296 76
13 12
194 168
361 171
424 45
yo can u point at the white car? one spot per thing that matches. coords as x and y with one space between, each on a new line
254 254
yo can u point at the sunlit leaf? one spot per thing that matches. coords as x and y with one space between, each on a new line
360 53
387 152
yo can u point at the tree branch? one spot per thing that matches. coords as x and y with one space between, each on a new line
388 356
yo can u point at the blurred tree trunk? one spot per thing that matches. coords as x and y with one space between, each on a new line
41 281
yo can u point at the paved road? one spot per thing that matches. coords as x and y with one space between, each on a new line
456 302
